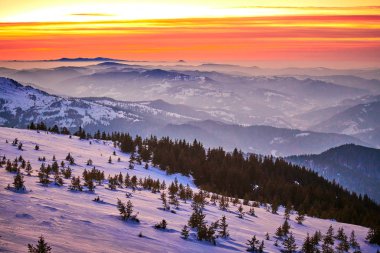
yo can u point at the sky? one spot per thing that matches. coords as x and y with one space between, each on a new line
273 32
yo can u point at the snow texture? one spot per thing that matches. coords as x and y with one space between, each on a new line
72 222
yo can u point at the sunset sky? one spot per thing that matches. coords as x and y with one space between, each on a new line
316 33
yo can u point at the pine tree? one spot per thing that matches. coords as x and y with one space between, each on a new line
66 172
328 241
253 244
329 237
340 234
290 244
279 233
161 225
353 242
126 210
373 235
110 160
223 232
90 185
308 246
261 247
43 175
223 203
57 179
285 227
75 184
252 211
28 169
164 201
129 209
122 209
18 182
287 212
316 238
343 245
300 218
41 247
241 213
196 219
275 207
267 236
185 232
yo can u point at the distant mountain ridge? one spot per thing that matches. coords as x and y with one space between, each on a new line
19 105
361 120
355 167
81 59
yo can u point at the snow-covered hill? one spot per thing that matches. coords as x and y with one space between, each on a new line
19 105
72 222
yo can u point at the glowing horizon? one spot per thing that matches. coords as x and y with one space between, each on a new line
332 31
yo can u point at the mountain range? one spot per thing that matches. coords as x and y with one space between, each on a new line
355 167
20 105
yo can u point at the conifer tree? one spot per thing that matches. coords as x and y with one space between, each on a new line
75 184
253 244
373 235
18 182
285 227
287 212
353 242
196 219
28 169
340 234
164 201
161 225
279 233
126 210
223 203
122 209
223 232
290 244
261 247
300 218
267 236
343 245
329 237
241 213
252 211
57 179
41 246
90 185
66 172
43 175
275 207
316 238
328 241
129 209
185 232
308 246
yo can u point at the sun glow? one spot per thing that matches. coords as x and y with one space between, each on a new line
199 30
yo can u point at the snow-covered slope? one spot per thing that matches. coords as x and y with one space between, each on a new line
72 222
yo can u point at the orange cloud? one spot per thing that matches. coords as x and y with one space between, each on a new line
276 38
